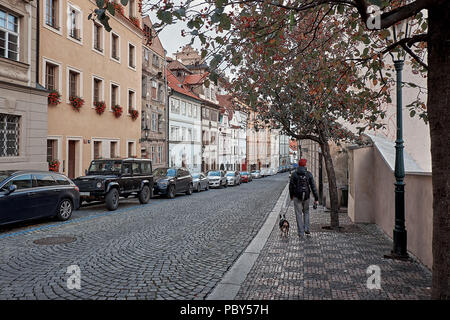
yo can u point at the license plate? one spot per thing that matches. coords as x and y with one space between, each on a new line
85 193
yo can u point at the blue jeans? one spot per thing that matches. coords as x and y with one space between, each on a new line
302 215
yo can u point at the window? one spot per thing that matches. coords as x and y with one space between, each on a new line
61 181
131 8
154 89
51 13
131 56
183 135
74 23
130 149
97 90
154 121
98 37
155 61
136 168
9 36
51 76
131 104
115 46
9 135
175 108
114 153
213 115
146 55
183 108
146 167
114 95
74 83
21 182
189 135
160 123
189 110
44 180
97 149
51 150
161 93
160 154
153 154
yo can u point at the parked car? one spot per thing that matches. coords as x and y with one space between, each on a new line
200 181
109 179
170 181
256 174
26 195
264 172
233 178
246 176
217 179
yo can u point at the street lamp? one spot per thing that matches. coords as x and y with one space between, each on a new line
400 30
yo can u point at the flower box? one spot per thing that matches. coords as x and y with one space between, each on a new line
54 98
76 102
117 110
53 166
100 106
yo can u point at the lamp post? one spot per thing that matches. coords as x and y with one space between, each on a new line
399 250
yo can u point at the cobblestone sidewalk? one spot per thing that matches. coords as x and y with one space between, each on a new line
332 265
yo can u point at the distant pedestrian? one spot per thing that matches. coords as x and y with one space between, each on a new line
300 184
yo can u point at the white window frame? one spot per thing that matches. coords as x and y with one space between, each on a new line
134 148
102 93
68 69
44 68
60 19
118 47
76 8
102 40
111 83
7 32
134 56
128 100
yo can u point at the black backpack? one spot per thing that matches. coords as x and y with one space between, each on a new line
302 185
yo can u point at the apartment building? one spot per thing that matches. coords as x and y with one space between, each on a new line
97 75
154 142
23 103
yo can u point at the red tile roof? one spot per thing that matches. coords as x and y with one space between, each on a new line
196 78
226 102
177 86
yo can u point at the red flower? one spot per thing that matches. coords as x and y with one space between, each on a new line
134 114
76 102
117 110
54 98
53 165
100 106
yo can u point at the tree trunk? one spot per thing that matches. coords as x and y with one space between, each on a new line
332 185
439 119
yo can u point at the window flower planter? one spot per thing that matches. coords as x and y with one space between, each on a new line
54 98
76 102
100 106
117 110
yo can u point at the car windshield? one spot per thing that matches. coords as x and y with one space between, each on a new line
105 166
230 174
165 172
214 173
244 173
195 175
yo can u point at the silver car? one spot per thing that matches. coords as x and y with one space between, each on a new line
217 179
233 178
200 181
256 174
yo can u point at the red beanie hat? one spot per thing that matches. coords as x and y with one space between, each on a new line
302 162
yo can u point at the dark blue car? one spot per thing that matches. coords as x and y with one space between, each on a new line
26 195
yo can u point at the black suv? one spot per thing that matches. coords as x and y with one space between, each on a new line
108 179
170 181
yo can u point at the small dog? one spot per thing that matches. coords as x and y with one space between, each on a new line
284 225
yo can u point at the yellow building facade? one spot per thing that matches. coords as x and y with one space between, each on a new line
79 58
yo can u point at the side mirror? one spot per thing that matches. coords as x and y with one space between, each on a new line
85 172
11 189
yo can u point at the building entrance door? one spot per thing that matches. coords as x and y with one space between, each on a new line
71 165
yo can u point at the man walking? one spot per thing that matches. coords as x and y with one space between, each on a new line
300 185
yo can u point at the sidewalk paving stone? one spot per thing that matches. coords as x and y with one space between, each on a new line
332 265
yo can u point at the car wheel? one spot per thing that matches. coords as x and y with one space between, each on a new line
190 189
171 192
112 199
64 210
144 195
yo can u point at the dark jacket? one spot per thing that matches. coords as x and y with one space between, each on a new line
295 180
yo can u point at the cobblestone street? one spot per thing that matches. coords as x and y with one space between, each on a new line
167 249
331 265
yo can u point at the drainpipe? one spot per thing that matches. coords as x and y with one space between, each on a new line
167 107
38 19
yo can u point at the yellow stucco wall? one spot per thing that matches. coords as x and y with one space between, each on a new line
64 123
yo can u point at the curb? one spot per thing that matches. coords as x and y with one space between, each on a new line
229 286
